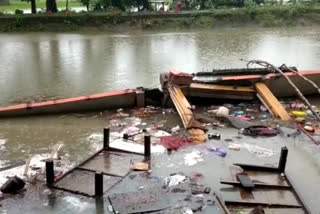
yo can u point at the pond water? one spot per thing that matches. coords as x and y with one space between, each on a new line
41 66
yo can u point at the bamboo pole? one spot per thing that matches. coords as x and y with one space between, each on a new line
272 67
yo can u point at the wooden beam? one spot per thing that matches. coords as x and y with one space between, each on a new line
184 109
273 103
221 87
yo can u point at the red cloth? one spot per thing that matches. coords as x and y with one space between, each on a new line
174 143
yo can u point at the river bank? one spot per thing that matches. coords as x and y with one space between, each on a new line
267 16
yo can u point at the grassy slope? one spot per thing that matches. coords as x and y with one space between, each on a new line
266 16
40 4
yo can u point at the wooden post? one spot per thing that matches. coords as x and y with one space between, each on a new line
49 172
283 159
98 184
106 138
147 145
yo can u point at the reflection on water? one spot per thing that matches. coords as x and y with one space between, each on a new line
38 66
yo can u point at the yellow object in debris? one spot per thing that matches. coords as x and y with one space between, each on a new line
273 103
299 113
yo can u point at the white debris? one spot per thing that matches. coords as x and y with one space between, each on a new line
134 147
187 210
174 180
193 158
161 133
96 136
2 143
258 150
131 131
175 129
80 206
222 111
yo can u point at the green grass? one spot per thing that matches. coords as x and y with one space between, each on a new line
22 5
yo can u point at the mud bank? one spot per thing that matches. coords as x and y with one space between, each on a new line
235 17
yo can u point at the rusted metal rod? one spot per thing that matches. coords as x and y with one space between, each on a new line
106 138
49 172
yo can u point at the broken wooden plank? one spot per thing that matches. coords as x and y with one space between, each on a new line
257 185
273 103
221 91
184 109
214 87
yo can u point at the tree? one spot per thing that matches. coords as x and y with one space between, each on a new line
33 5
51 6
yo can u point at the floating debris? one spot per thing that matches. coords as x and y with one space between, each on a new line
193 158
258 150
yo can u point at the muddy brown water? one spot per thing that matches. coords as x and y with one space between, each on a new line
40 66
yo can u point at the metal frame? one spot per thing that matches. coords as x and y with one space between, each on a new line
51 181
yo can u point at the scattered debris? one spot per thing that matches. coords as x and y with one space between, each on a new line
218 151
222 111
259 131
260 151
174 180
193 158
234 146
309 128
214 136
299 113
131 131
139 166
175 129
13 185
174 143
2 143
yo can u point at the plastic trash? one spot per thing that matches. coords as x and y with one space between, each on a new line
309 128
193 158
258 150
234 146
263 108
13 185
131 130
300 120
214 136
222 111
239 113
299 113
243 117
175 129
218 151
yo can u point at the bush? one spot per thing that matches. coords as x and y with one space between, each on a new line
18 12
250 8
